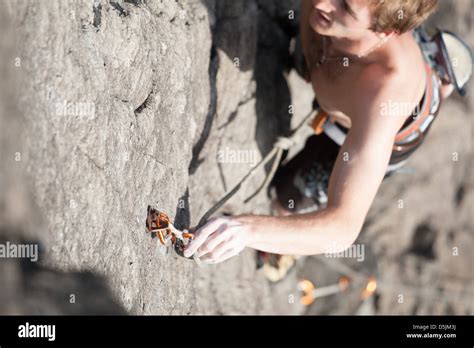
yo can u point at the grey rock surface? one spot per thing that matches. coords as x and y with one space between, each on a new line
29 287
125 104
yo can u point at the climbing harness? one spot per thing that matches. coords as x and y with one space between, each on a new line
447 58
410 136
448 55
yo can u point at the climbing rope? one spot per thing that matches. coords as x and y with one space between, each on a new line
159 223
282 144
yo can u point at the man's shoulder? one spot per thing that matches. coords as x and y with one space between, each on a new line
377 82
377 87
379 77
398 79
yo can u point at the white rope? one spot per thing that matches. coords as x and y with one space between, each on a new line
282 144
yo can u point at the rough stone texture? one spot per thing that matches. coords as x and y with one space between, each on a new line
172 83
29 288
167 93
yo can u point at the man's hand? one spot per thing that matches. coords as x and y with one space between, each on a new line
220 239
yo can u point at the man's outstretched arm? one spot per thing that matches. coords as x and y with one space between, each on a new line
355 179
358 171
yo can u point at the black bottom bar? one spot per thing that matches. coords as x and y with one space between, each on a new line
138 330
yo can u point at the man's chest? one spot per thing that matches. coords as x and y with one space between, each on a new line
334 90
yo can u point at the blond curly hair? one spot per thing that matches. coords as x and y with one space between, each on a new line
400 15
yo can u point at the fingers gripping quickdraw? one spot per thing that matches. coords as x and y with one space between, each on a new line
158 222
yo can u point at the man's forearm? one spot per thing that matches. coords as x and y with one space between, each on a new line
301 234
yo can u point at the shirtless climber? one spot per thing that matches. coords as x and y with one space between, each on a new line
361 55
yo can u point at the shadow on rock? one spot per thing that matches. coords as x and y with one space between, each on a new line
256 35
35 289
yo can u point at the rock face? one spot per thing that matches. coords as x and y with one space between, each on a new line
28 287
125 104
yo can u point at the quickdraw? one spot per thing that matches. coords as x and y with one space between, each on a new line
158 222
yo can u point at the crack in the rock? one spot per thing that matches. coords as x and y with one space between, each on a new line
86 155
234 114
221 168
197 148
97 10
120 10
154 159
136 2
143 105
182 216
